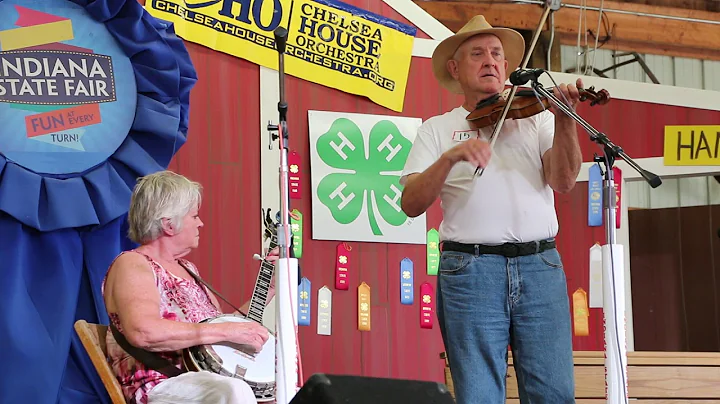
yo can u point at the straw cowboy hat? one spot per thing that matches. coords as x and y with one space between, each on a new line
513 45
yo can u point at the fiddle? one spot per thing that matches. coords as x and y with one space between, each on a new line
526 103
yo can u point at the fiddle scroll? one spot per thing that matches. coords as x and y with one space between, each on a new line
526 103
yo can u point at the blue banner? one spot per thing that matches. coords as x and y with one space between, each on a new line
93 95
595 193
406 281
304 302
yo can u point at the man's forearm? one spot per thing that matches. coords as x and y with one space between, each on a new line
424 189
566 158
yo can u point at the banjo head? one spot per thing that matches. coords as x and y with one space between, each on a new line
257 370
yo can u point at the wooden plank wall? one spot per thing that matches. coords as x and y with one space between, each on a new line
676 278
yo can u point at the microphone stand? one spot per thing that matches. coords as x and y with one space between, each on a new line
286 282
550 6
612 256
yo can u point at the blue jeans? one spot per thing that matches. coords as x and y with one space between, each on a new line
487 302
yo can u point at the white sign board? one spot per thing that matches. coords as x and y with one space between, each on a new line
355 164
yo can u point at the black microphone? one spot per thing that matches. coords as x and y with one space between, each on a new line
522 76
281 35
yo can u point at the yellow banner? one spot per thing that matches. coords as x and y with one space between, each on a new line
692 145
329 42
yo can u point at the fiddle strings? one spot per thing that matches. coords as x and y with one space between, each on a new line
537 96
555 86
479 171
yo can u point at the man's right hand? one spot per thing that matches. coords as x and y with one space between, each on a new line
250 333
475 151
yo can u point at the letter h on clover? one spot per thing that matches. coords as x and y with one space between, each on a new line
362 177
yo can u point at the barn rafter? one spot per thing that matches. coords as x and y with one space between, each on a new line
681 28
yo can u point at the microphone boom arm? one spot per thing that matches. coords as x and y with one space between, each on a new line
612 151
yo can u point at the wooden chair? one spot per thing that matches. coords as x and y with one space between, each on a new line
92 337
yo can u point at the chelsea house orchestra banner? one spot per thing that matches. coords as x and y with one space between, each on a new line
329 42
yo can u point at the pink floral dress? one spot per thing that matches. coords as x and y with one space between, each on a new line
180 300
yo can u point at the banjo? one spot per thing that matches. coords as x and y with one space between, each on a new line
256 369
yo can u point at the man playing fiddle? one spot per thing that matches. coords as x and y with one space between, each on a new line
501 281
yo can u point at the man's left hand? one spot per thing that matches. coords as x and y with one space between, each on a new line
569 94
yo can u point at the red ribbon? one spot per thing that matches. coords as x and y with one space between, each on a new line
342 266
426 305
295 175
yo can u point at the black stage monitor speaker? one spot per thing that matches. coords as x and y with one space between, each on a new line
339 389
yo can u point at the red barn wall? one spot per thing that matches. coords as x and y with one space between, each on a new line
639 128
222 152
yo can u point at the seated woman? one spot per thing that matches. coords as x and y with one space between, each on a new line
155 303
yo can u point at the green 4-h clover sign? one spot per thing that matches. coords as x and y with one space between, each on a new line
363 177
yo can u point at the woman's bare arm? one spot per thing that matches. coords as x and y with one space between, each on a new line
132 294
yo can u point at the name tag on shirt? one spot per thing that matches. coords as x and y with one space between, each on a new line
463 135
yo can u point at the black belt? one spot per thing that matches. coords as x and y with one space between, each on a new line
509 250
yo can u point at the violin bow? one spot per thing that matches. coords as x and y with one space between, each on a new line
550 5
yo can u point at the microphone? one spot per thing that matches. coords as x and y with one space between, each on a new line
522 76
281 35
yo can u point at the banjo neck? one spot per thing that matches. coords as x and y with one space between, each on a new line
262 287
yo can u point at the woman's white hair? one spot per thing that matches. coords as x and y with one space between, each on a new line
160 195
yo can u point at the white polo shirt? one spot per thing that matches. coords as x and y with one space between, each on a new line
510 202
